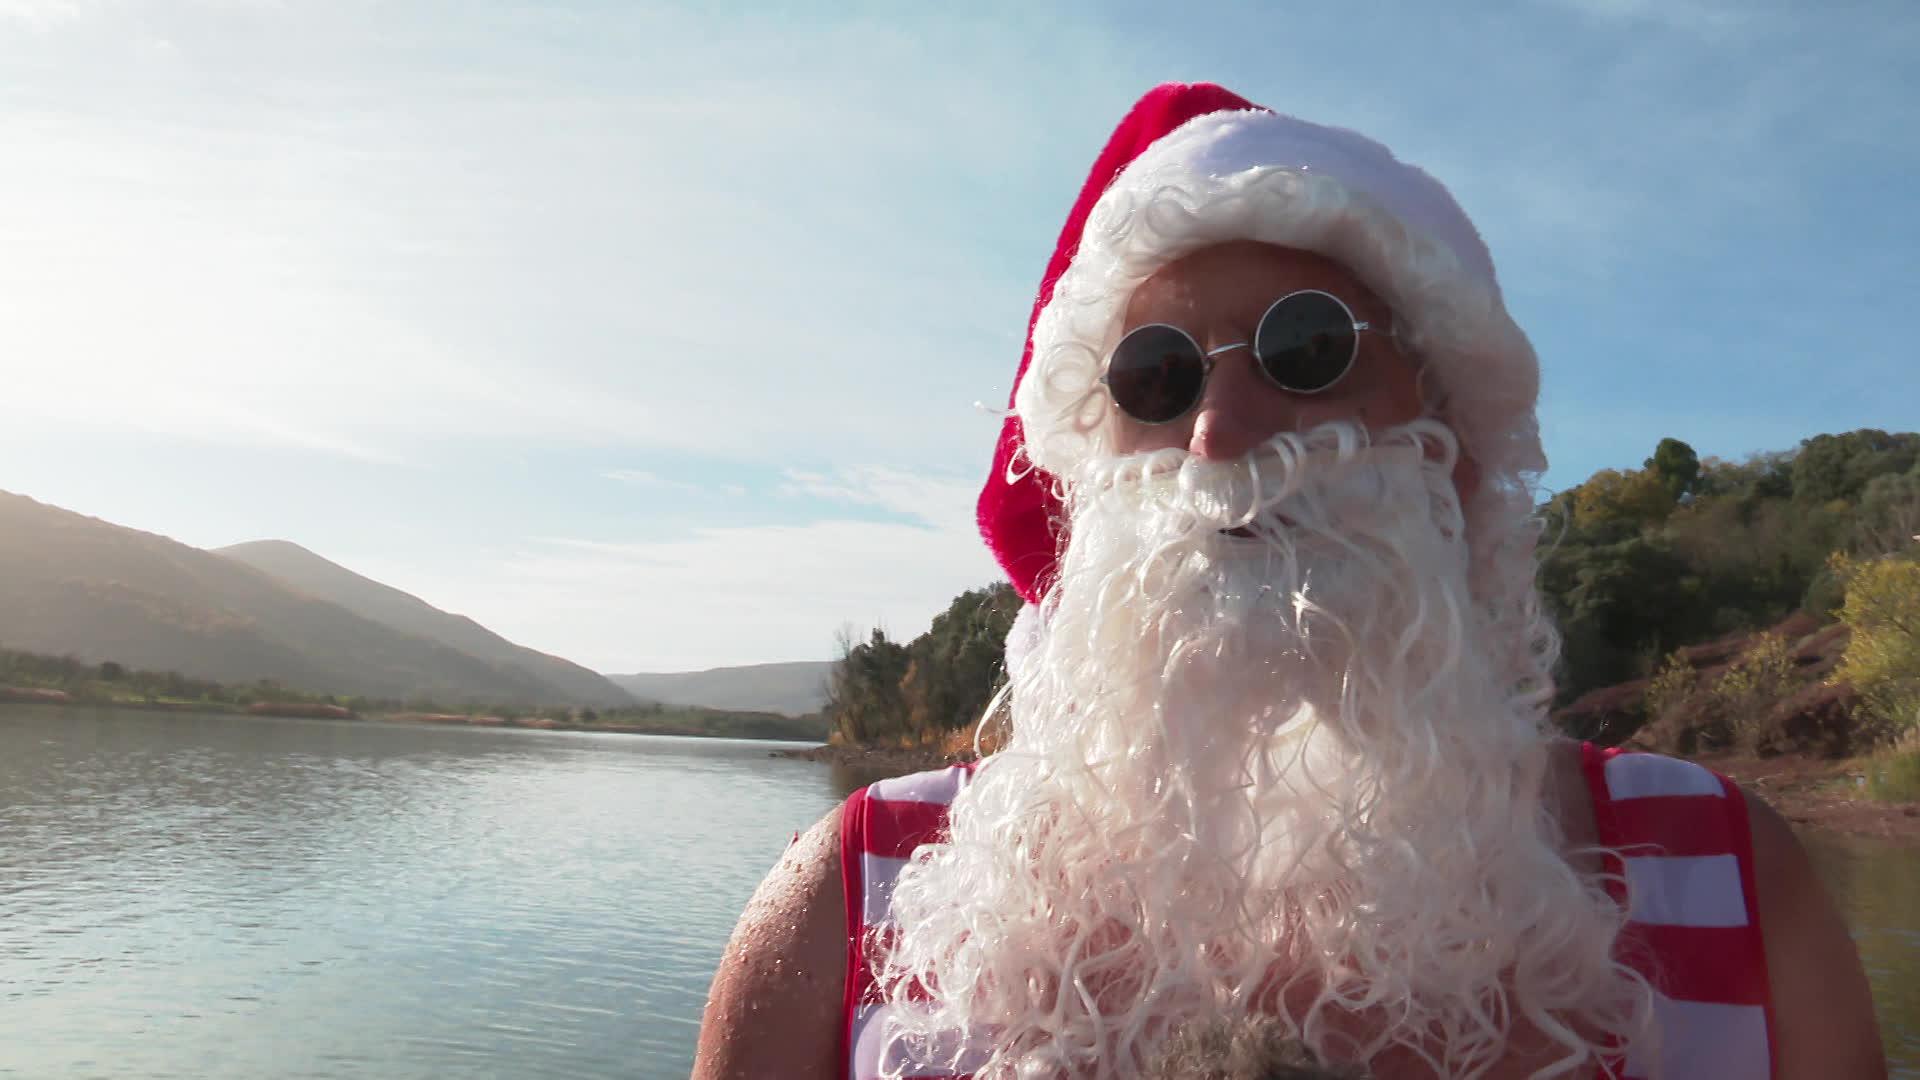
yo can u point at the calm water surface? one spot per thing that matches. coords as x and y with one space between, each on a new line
211 896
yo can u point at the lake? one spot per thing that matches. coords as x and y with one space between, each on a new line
216 896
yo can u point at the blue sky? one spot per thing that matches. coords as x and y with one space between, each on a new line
649 335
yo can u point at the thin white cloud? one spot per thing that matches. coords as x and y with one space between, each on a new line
943 500
38 14
1703 17
728 595
647 478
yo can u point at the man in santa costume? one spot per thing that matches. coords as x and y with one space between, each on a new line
1278 743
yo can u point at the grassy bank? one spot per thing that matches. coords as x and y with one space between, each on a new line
904 754
1836 795
28 678
685 722
1894 776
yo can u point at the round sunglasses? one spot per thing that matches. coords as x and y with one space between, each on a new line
1305 343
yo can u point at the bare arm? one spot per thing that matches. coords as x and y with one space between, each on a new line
775 1006
1824 1027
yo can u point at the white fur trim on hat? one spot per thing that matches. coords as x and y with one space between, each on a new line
1263 176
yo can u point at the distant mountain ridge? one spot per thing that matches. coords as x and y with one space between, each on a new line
795 688
71 584
385 604
271 609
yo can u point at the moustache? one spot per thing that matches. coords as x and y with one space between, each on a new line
1331 476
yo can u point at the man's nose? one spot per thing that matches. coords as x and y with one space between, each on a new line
1239 410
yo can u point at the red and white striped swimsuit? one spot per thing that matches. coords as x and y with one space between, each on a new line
1680 838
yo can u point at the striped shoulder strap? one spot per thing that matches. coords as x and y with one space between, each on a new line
1681 859
880 827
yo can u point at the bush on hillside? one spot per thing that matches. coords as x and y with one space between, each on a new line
1745 694
1889 516
1893 775
1882 659
1642 562
1671 686
883 692
1766 693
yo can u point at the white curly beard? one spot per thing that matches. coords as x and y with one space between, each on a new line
1261 762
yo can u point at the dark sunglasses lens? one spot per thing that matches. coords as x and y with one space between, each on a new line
1306 342
1155 374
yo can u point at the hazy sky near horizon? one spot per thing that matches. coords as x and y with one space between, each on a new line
649 335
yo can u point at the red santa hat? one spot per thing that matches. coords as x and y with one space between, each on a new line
1193 165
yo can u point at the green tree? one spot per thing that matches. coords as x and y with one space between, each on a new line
1839 467
956 664
1888 519
864 698
1614 497
882 690
1677 466
1618 606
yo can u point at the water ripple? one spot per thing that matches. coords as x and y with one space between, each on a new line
225 897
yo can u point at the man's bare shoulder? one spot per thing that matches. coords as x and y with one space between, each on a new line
775 1006
1823 1008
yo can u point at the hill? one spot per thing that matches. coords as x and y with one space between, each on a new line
32 679
80 586
369 599
792 689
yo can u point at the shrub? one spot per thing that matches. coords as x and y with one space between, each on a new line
1882 661
989 736
1894 775
1825 594
1671 685
1745 694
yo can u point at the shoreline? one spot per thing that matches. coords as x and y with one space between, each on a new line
16 695
1809 792
897 760
1819 793
536 723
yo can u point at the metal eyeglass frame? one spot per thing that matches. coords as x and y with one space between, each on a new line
1207 356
